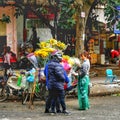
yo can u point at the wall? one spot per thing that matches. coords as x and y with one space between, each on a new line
19 22
100 12
43 33
2 29
10 27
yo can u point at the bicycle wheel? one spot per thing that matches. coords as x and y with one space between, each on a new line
4 93
42 93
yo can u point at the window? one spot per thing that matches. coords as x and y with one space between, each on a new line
35 22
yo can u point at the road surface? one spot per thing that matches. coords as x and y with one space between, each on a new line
102 108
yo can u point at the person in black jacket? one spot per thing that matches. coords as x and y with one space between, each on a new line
56 78
34 38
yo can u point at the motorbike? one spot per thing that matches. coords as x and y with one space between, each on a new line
3 89
9 87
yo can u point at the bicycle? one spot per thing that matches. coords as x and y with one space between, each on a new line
35 90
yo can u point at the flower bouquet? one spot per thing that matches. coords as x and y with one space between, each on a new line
46 48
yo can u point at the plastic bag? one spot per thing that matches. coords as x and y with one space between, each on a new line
30 78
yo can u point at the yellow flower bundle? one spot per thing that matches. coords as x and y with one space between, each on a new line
61 45
44 52
43 45
52 42
68 59
47 47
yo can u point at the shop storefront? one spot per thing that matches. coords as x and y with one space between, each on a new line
43 32
99 47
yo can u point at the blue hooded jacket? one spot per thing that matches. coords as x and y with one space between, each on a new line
55 75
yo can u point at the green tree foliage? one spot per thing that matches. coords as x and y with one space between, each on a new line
112 14
5 18
66 20
62 9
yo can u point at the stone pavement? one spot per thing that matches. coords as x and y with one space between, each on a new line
98 76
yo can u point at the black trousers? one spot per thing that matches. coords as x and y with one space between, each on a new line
55 99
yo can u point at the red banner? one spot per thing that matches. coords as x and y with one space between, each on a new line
48 16
31 15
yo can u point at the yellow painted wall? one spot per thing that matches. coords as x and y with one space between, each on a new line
2 29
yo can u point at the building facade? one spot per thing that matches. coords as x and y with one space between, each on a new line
8 31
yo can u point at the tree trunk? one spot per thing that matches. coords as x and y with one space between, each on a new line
77 48
80 25
80 32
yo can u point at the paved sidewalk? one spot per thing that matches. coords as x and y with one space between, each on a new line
99 87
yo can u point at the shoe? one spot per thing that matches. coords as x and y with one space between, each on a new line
84 109
52 112
59 111
46 111
66 112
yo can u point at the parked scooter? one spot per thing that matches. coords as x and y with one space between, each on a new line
13 87
9 87
3 89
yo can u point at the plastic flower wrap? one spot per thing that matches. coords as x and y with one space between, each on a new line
66 66
68 62
65 62
77 61
68 59
71 61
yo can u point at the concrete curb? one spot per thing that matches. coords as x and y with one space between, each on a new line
101 89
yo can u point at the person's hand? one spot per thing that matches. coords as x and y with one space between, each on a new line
37 69
74 73
77 62
46 88
10 66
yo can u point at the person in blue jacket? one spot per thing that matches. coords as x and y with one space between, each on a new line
55 78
